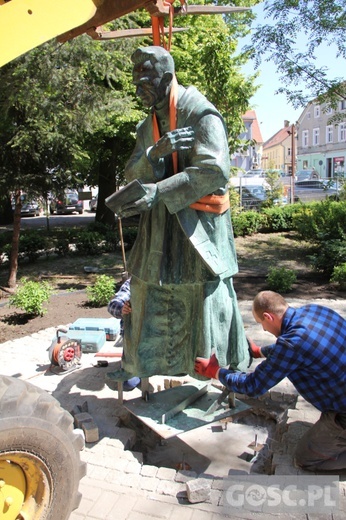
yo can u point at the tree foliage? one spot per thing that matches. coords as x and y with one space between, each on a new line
69 112
290 23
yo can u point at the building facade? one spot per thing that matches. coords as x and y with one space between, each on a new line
251 157
320 144
279 150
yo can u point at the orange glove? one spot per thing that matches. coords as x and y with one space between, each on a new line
255 350
207 367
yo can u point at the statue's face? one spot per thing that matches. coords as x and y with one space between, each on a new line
150 87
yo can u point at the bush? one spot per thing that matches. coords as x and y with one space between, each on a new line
247 223
62 246
279 218
102 291
321 221
89 243
328 255
280 279
32 244
31 296
339 276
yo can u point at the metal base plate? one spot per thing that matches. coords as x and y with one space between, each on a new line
193 416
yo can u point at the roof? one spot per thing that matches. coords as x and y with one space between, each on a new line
250 115
278 138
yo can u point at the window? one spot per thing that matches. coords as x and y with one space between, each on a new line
329 111
342 132
343 104
308 115
317 111
289 152
316 136
329 134
305 138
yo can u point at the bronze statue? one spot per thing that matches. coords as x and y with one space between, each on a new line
183 260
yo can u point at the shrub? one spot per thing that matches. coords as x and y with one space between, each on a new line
246 223
31 296
32 244
339 276
89 243
62 246
280 279
102 291
321 221
279 218
328 255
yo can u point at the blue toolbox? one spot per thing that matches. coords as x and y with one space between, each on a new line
90 340
111 326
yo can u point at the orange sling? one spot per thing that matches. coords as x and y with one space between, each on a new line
210 203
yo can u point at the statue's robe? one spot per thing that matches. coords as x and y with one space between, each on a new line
183 260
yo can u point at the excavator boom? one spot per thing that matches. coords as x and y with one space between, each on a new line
26 24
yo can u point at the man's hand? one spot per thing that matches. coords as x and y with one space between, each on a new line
207 367
126 308
255 350
179 139
144 204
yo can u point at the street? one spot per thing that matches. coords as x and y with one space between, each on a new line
57 221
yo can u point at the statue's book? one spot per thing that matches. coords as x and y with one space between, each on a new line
130 193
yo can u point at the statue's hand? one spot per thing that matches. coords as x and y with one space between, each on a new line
179 139
144 204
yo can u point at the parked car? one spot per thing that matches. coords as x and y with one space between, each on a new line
252 196
255 173
315 190
66 202
306 175
30 209
93 204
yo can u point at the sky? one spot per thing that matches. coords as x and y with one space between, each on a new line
273 109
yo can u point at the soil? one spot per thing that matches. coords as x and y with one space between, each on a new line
255 255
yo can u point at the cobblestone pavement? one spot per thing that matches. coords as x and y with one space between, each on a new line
120 484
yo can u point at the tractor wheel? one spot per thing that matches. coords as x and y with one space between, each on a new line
40 466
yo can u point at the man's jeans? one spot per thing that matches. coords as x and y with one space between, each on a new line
323 447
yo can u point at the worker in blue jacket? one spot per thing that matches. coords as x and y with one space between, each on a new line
310 351
120 306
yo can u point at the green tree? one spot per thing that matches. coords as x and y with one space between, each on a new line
52 100
280 41
207 57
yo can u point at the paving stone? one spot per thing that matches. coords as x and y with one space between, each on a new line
149 483
166 474
91 431
167 487
152 509
133 467
81 418
198 490
149 471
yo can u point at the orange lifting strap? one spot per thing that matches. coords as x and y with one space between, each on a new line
157 24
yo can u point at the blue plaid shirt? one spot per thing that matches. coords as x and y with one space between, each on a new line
310 352
115 306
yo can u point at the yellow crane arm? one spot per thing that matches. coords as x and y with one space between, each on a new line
25 24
